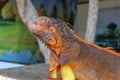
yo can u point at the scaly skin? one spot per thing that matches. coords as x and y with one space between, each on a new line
83 60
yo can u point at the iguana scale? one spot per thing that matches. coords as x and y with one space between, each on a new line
84 60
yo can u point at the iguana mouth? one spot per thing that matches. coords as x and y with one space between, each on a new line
37 35
51 39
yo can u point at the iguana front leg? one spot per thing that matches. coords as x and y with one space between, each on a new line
66 73
54 73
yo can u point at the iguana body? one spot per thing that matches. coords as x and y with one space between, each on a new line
87 61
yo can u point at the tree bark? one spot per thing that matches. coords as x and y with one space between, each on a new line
28 12
92 20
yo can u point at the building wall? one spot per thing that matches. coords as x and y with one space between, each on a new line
82 12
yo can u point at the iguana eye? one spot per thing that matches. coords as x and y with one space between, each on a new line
51 28
51 40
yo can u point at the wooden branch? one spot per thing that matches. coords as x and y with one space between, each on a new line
92 20
28 12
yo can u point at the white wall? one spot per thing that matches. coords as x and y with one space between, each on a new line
82 12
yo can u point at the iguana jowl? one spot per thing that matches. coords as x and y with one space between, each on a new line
85 60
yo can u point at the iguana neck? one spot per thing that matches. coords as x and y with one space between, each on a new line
71 48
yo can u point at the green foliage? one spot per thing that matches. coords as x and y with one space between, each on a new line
112 26
54 12
111 33
101 37
39 55
2 3
16 13
71 18
42 11
117 33
10 11
64 3
16 37
64 14
64 11
7 11
110 37
111 30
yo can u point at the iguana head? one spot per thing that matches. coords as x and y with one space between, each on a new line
55 33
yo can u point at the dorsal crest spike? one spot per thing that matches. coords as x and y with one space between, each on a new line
70 26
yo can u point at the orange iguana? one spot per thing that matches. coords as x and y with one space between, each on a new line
74 57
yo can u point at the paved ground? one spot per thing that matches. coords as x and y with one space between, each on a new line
31 72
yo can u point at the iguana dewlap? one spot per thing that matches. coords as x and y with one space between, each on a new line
70 53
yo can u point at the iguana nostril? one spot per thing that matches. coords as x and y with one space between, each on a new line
31 24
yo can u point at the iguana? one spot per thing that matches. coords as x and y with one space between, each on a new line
74 57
